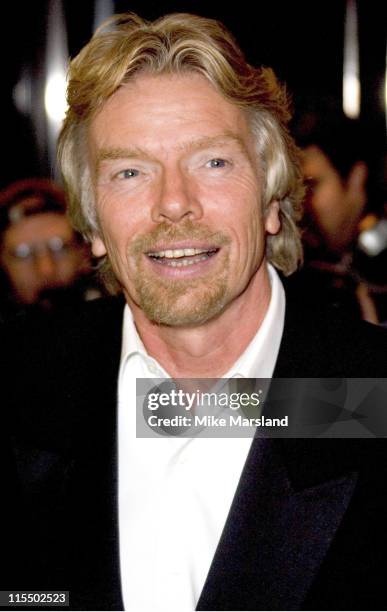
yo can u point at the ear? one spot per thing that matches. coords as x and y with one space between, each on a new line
272 220
357 177
356 187
98 247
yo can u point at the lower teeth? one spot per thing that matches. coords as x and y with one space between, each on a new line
179 263
185 262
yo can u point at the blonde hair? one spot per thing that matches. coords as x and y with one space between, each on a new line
179 43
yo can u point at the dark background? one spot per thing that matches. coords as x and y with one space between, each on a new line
302 41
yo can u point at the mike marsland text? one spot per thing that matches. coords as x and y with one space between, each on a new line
232 420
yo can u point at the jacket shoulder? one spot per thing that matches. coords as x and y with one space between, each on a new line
320 341
61 371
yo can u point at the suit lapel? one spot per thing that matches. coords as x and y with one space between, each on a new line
275 537
290 501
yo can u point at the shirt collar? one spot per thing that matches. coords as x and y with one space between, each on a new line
259 358
257 361
133 346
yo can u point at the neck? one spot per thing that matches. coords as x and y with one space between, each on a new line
208 350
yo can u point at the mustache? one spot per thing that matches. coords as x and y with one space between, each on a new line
169 234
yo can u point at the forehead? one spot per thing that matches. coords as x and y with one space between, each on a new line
315 161
38 227
167 112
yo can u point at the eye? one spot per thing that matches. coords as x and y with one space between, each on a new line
128 173
311 183
216 163
22 251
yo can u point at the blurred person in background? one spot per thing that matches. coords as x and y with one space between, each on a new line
337 267
44 262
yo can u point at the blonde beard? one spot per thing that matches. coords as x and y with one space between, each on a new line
180 302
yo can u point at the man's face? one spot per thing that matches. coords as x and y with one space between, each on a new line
39 253
178 196
333 204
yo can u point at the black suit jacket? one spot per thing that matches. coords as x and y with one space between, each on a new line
306 529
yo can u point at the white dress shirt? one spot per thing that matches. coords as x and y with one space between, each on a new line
175 494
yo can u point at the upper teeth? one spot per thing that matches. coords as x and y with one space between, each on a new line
172 253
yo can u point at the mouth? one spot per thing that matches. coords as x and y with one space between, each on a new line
182 257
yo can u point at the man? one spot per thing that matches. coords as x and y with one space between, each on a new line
40 254
181 172
333 164
336 268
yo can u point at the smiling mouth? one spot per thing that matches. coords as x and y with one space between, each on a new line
176 258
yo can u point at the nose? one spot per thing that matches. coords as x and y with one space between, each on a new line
45 267
177 198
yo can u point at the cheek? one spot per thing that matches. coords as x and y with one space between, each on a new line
248 236
118 236
121 215
22 277
118 221
236 201
68 267
327 205
255 242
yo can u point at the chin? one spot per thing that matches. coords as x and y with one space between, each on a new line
179 313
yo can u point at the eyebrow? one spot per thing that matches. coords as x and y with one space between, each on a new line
112 153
